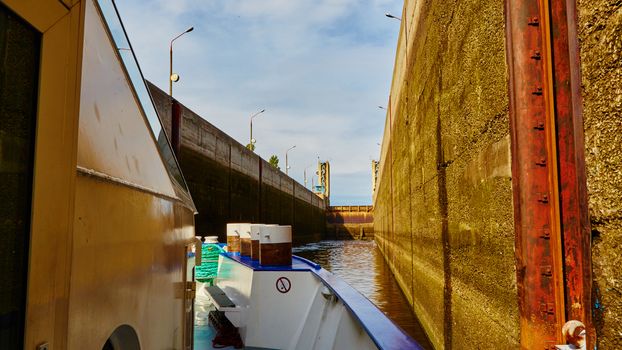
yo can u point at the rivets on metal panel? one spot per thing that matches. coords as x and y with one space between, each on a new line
544 198
537 91
536 55
547 309
541 162
539 125
546 234
534 21
546 270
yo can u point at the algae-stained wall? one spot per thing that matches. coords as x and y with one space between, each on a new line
229 183
443 213
600 35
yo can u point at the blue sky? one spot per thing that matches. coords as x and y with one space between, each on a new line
320 68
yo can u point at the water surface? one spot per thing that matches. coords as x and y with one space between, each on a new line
361 264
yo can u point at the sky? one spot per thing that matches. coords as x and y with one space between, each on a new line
320 68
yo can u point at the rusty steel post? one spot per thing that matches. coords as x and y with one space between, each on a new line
548 170
573 181
534 175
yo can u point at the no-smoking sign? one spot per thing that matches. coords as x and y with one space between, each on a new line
283 284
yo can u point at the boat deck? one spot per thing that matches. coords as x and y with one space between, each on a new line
205 333
384 333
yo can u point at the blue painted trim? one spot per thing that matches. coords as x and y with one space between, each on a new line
308 262
384 333
298 264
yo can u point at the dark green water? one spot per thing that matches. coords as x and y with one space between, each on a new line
361 264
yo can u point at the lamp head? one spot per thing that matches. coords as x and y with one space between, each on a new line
174 77
189 30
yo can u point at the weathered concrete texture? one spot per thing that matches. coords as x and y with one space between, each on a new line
350 222
229 183
443 213
600 33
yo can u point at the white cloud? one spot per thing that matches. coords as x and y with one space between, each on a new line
318 67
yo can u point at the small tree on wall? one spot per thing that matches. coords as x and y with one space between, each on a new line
274 161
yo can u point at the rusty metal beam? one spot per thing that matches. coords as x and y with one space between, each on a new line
571 159
548 170
534 175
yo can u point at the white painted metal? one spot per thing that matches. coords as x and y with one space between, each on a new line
244 230
255 228
233 230
275 234
304 317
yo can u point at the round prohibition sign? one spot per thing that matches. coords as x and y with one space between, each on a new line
283 284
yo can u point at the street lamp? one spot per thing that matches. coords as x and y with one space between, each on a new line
286 160
405 30
382 107
391 16
252 141
174 77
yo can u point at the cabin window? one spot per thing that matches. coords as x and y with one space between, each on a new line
19 76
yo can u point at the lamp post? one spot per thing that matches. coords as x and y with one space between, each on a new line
172 78
405 30
391 16
305 174
251 141
286 160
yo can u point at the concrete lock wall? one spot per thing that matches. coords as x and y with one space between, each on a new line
443 214
600 33
229 183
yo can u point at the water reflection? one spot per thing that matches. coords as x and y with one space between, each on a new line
361 264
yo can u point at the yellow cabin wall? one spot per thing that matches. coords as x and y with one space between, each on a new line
127 265
55 168
103 252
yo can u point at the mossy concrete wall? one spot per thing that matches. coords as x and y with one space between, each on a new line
600 35
229 183
443 206
443 213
